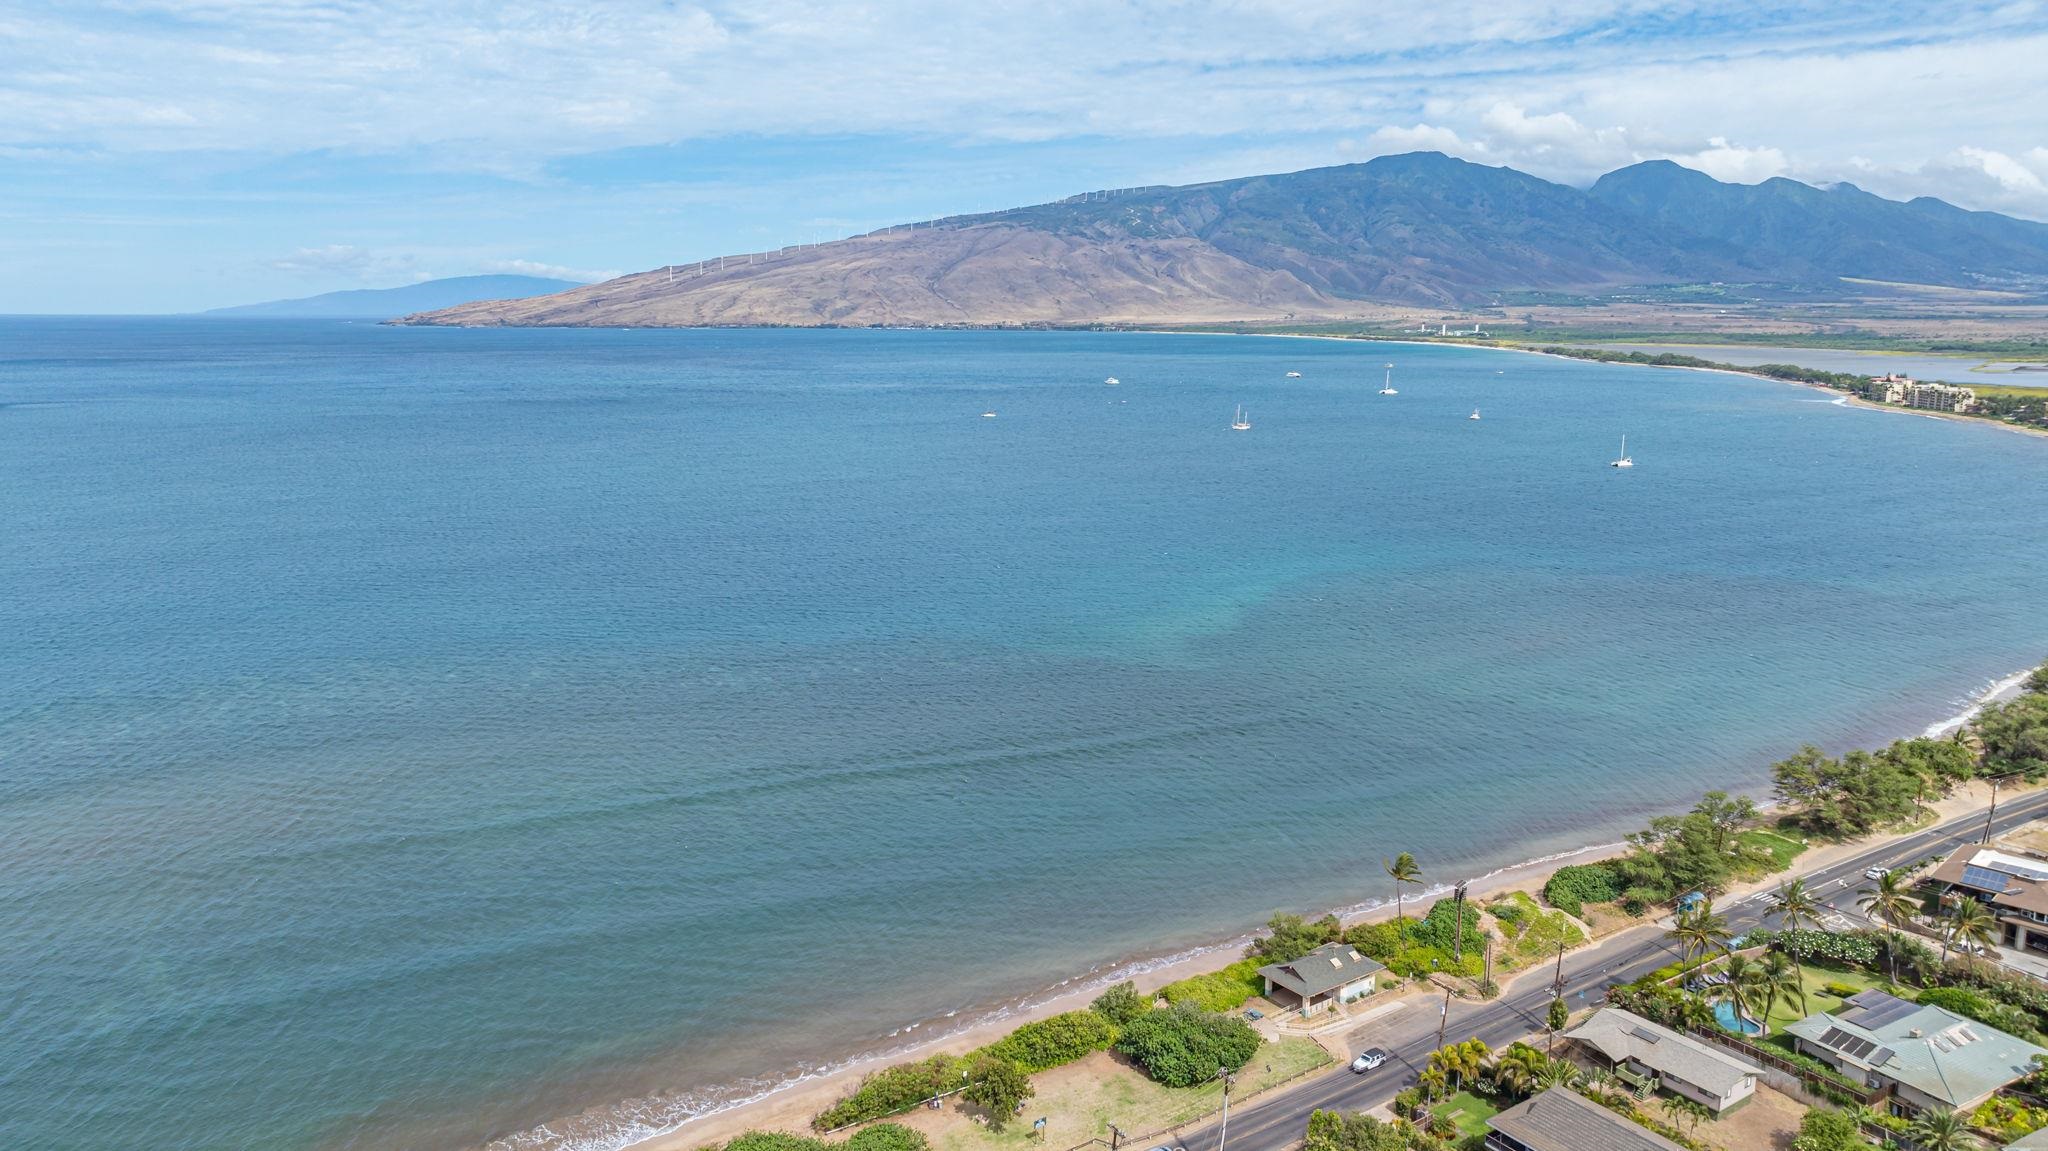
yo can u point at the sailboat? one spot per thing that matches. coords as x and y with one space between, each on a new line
1624 461
1388 390
989 414
1242 423
1474 415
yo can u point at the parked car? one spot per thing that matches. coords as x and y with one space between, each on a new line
1876 872
1254 1014
1367 1060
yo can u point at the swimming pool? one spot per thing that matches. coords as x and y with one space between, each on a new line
1724 1014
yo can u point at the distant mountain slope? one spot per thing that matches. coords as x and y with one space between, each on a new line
1416 229
1818 233
386 303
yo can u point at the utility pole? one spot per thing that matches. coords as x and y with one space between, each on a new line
1486 981
1223 1129
1994 808
1443 1020
1116 1137
1458 918
1556 993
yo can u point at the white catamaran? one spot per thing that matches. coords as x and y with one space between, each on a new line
1624 461
1242 423
1388 389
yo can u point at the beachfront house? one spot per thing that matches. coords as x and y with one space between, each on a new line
2013 885
1561 1119
1649 1056
1925 1057
1333 973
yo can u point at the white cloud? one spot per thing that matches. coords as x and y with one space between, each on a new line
1735 164
550 271
349 262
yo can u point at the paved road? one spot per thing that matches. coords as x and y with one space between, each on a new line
1278 1121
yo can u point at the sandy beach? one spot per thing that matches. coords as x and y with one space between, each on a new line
791 1108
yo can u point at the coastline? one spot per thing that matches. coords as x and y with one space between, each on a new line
790 1104
1843 398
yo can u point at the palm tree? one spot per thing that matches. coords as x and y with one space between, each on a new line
1557 1073
1888 902
1404 871
1795 905
1942 1131
1745 990
1517 1070
1782 981
1699 931
1973 923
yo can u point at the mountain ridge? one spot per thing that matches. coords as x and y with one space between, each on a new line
1418 228
389 303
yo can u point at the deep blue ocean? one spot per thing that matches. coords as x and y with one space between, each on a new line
409 737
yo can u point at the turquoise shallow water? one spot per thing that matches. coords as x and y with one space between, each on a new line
411 737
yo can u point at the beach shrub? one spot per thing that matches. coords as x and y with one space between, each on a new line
887 1092
775 1141
2002 987
1289 937
1634 906
1407 1100
1375 940
1056 1041
1121 1004
1182 1045
1444 923
888 1137
1224 990
1846 949
998 1086
1570 888
1838 990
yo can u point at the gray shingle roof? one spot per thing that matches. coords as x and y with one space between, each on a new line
1621 1035
1561 1119
1323 970
1948 1056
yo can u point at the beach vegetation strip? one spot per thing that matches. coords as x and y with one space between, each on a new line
1225 990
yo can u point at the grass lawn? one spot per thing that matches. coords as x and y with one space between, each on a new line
1815 978
1782 848
1468 1111
1080 1101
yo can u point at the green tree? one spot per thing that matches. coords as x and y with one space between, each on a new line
1971 923
2037 681
1824 1130
1121 1004
998 1086
1560 1014
1700 932
1291 937
1403 870
1517 1070
1727 816
1745 988
1794 905
1941 1131
1684 847
1558 1073
1055 1041
1889 903
1942 762
2015 736
1686 1113
1782 982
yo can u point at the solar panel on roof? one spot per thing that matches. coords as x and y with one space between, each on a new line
1874 1010
1984 878
1880 1057
1854 1046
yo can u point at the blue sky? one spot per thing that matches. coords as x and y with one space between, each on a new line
171 155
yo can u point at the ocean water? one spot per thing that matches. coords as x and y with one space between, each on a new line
422 738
